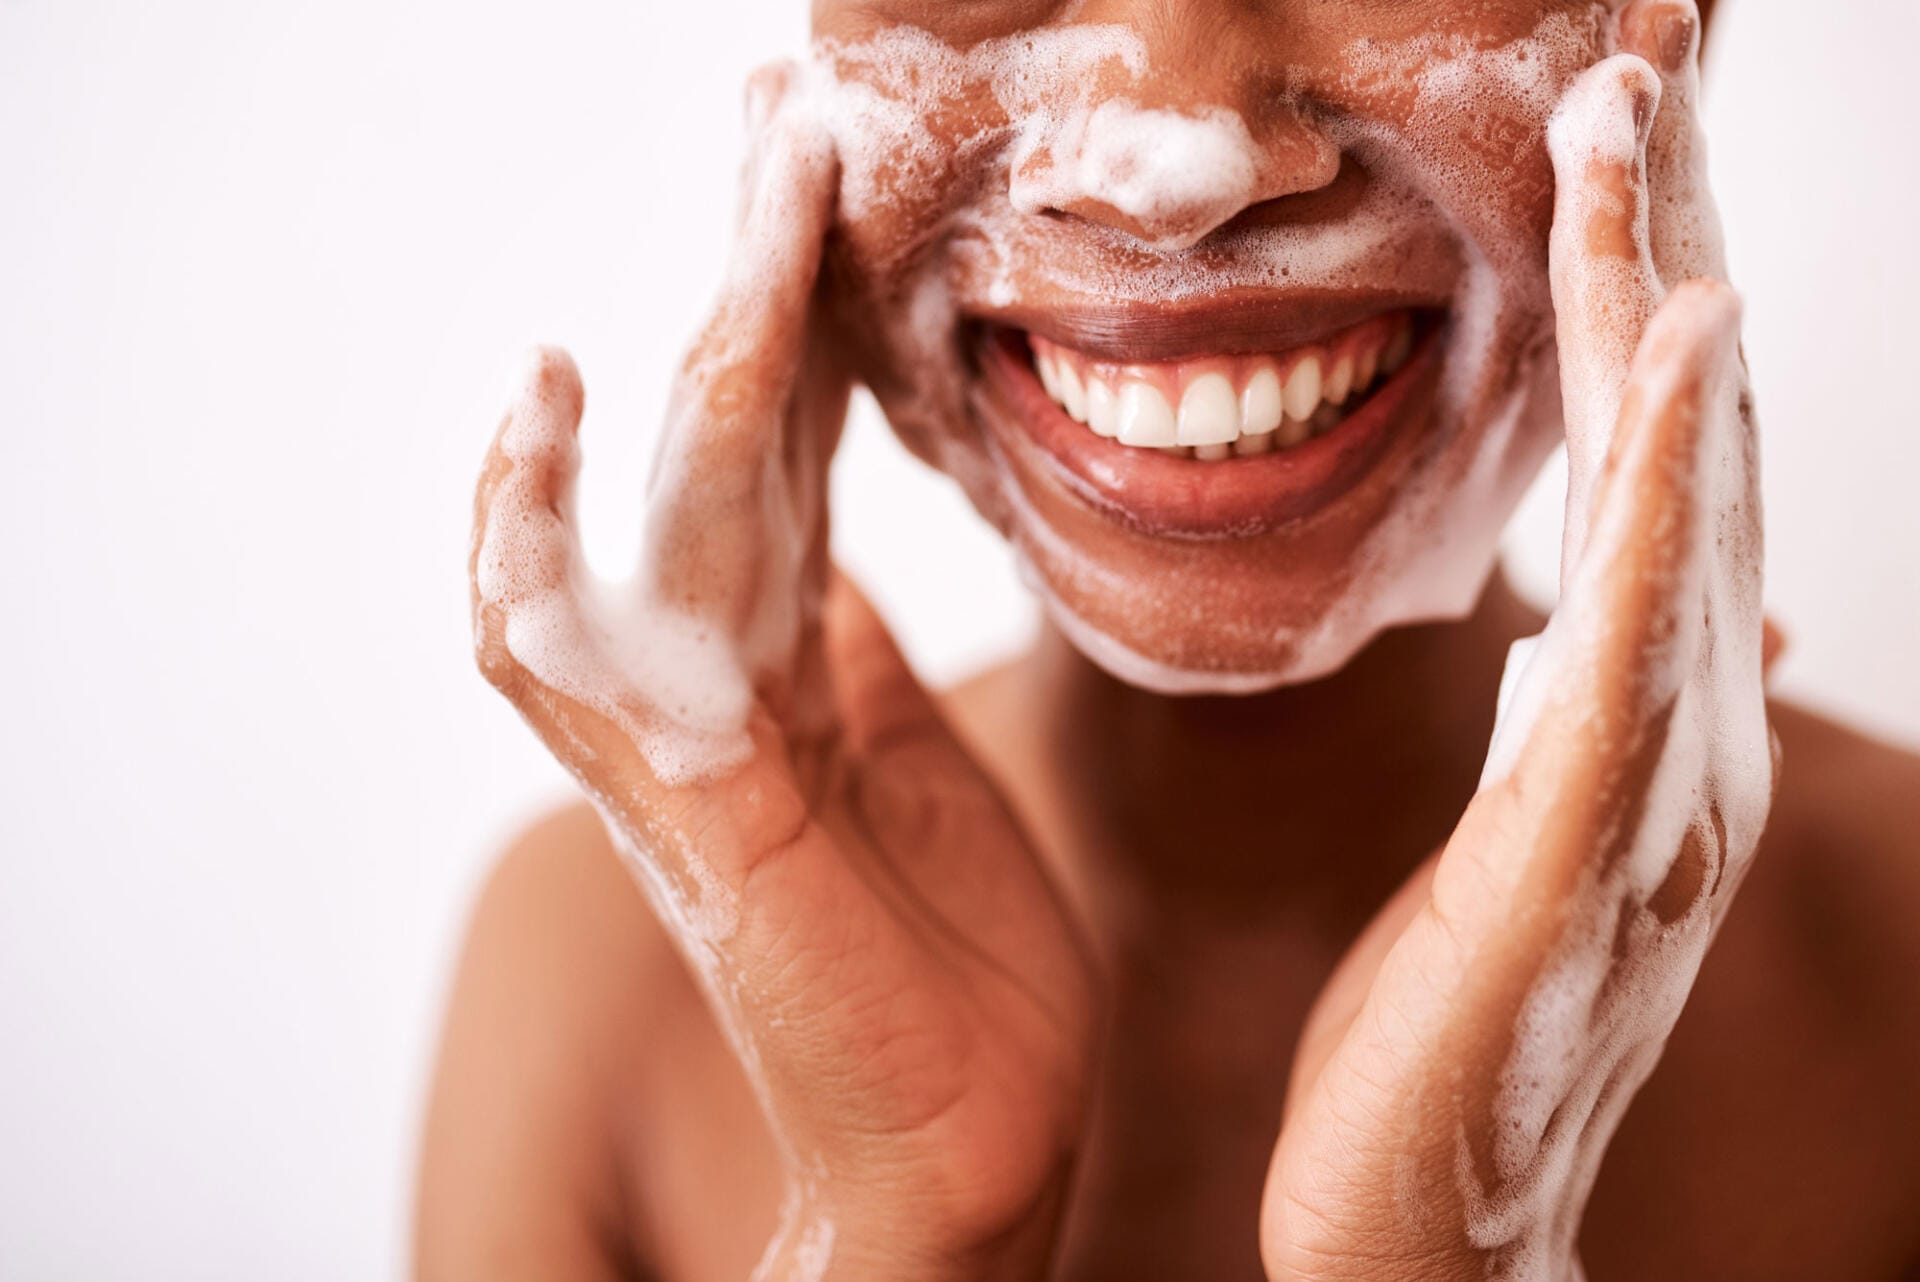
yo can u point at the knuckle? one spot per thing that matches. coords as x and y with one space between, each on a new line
499 669
493 656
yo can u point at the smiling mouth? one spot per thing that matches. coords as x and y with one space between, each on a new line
1212 446
1217 408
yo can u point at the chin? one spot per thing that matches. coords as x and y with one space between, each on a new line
1246 502
1233 431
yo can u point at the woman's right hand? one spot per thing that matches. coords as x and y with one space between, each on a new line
899 979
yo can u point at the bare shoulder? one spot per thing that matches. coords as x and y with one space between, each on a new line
572 1032
1783 1112
1844 840
1836 883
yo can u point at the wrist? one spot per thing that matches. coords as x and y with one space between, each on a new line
1382 1259
857 1232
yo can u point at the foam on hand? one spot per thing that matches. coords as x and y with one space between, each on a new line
1595 1021
661 676
1597 1017
1068 131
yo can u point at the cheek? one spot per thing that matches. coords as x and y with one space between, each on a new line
1460 118
895 321
914 161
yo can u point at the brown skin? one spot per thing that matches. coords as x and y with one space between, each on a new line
587 1116
920 1007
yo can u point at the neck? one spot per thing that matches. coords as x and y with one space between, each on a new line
1327 793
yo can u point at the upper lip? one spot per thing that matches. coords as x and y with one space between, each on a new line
1229 323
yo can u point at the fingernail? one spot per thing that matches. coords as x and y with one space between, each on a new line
765 87
1673 33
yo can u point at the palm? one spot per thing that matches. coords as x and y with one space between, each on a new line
924 946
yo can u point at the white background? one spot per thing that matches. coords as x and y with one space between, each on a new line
265 271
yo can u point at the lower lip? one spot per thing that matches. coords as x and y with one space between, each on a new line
1164 494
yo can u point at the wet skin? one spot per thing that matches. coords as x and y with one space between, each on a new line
1259 592
1114 1110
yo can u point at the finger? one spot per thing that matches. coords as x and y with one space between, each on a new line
1589 722
523 549
915 780
1687 244
534 630
735 506
693 785
1605 286
1684 222
1530 994
1544 943
880 700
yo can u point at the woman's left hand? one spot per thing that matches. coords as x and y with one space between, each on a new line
1464 1071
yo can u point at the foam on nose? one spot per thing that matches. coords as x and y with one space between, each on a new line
1175 176
1054 124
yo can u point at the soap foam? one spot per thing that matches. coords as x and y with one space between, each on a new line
1596 1019
1592 1026
694 681
658 674
1069 129
675 658
1175 175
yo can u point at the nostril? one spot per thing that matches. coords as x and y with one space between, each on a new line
1327 203
1168 178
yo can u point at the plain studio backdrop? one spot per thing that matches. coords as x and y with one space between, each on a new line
266 272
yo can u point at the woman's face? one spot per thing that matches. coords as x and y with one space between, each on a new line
1233 317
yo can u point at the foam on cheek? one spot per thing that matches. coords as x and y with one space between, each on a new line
1593 1024
1430 556
1070 134
876 96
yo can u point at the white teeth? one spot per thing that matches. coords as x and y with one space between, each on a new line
1339 380
1260 409
1103 408
1145 417
1073 397
1303 387
1205 418
1209 414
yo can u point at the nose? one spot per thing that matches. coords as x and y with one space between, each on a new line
1179 147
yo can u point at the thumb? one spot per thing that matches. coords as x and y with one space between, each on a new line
881 702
